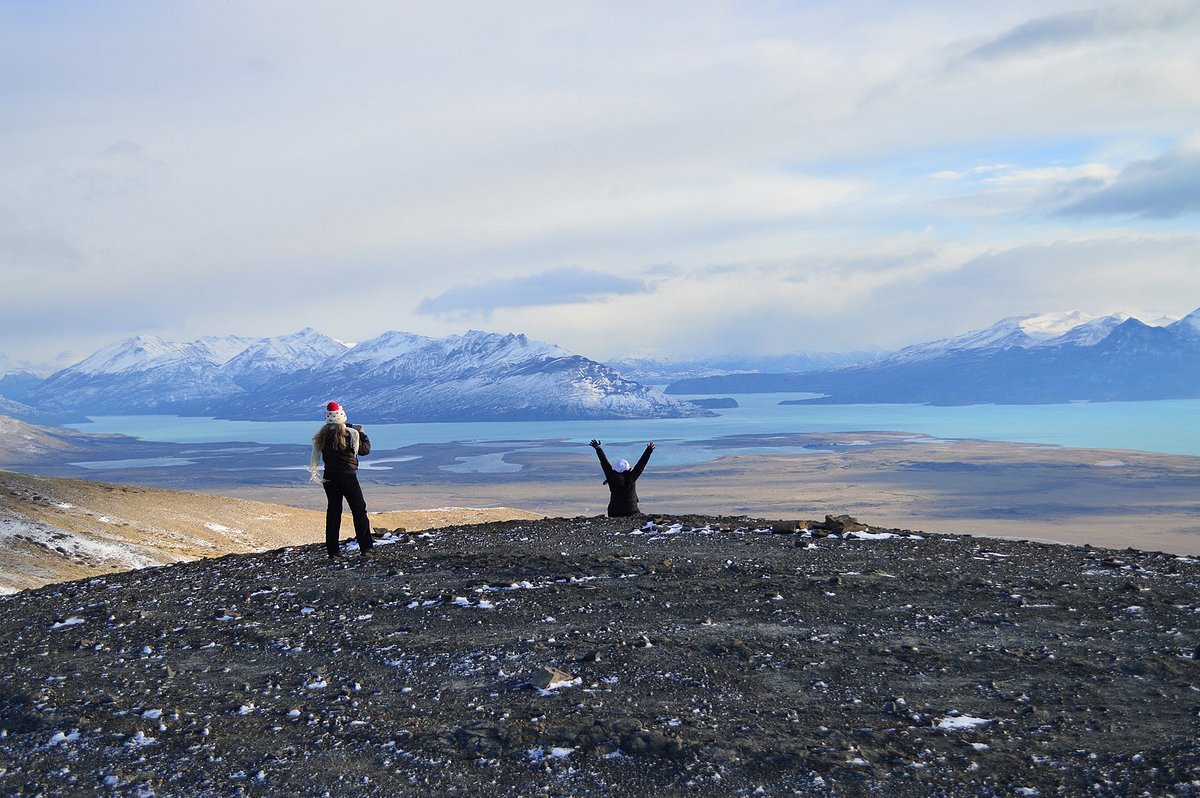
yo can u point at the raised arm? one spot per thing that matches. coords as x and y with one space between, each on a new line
641 463
604 464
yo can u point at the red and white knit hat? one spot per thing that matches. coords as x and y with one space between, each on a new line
335 413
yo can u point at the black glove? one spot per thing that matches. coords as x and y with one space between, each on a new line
595 444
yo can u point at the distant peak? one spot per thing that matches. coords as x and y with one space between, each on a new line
1192 319
1044 326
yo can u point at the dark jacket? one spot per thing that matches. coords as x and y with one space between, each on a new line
342 460
623 498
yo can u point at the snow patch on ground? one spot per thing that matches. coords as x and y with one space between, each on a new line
74 620
70 544
653 528
555 752
383 540
865 535
559 685
963 723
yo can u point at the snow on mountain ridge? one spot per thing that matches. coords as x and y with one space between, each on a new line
221 350
134 352
304 349
1003 334
1190 322
384 347
454 354
500 351
1044 326
393 377
1088 333
1037 329
145 352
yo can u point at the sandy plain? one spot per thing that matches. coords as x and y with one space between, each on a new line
1110 498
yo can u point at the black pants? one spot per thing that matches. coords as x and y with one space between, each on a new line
345 486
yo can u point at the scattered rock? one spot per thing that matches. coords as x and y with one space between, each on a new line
747 666
546 677
840 524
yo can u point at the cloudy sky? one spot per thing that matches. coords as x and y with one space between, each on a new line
654 178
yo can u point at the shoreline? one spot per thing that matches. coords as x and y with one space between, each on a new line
1110 498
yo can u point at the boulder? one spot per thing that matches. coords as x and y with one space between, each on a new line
544 677
840 524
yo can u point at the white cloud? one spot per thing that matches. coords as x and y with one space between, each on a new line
172 167
1091 25
1166 186
555 287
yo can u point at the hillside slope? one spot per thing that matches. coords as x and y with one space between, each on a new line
53 529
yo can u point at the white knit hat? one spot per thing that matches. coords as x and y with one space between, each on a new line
621 466
335 413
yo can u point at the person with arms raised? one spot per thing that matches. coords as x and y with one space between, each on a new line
621 479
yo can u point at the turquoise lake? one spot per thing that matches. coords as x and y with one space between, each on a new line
1171 426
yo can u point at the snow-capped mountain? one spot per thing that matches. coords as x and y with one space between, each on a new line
1021 360
15 384
477 376
1018 332
143 374
270 357
383 348
151 353
1090 332
1188 326
17 380
391 378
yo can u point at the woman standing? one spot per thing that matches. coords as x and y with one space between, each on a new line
621 479
340 445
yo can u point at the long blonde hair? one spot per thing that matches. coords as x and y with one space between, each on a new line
337 433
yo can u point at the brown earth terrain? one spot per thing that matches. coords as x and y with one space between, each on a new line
54 530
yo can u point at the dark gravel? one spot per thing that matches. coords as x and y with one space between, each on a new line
700 656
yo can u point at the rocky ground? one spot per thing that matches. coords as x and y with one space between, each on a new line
619 657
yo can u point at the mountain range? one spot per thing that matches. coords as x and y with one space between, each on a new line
483 376
394 377
1037 359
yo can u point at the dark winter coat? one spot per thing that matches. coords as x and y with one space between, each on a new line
343 460
623 498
